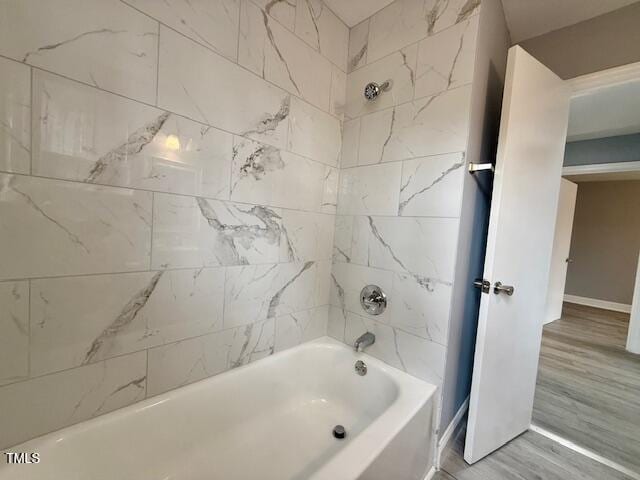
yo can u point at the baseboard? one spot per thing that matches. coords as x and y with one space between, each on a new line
430 474
450 430
594 302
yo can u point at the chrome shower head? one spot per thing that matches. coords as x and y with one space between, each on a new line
372 90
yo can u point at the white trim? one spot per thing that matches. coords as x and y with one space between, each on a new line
594 302
431 473
444 441
584 451
633 336
586 84
596 168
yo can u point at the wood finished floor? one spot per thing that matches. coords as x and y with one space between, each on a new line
528 457
588 388
588 391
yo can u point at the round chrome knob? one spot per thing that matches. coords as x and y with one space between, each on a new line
373 300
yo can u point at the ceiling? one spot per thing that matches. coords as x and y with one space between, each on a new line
353 12
530 18
608 112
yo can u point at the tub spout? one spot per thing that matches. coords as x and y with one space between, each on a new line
363 341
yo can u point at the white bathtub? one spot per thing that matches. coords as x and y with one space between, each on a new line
270 420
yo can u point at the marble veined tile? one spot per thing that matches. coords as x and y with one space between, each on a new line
265 175
314 133
277 55
330 193
323 30
256 292
197 232
84 134
197 83
429 126
323 282
423 247
347 281
300 327
432 186
338 92
81 320
404 22
44 404
446 60
416 356
415 307
420 311
350 143
14 331
100 42
399 69
306 236
53 228
213 24
372 189
342 238
284 11
15 117
358 46
336 323
178 364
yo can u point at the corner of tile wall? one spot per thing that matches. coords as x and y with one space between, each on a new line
401 180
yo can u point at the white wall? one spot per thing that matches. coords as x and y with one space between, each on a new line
605 241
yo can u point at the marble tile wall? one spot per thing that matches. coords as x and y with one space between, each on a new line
401 179
169 176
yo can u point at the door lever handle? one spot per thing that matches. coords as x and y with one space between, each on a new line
482 284
500 288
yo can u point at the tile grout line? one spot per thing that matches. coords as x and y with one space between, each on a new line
199 122
413 100
146 374
160 192
146 349
31 117
240 7
29 347
433 35
234 62
236 202
153 221
158 65
168 269
384 324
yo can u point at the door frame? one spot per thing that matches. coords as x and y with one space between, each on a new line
587 85
592 82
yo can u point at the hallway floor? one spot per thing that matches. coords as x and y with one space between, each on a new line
588 391
531 456
588 388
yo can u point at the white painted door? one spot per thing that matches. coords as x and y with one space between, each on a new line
521 227
561 247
